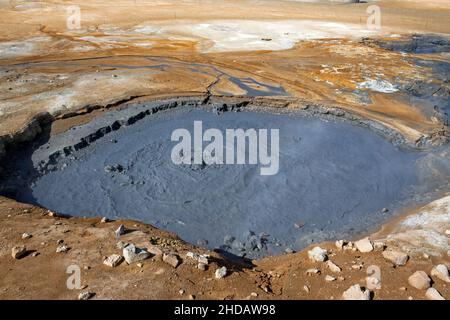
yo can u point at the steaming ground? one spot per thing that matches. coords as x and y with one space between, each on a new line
334 181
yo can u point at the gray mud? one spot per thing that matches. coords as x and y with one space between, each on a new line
334 179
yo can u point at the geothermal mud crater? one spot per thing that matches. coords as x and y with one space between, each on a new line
334 178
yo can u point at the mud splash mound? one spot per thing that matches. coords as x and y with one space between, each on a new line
333 182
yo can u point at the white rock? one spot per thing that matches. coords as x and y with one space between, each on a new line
312 271
104 220
26 235
364 245
329 278
379 245
202 266
317 254
133 254
433 294
62 248
355 292
419 280
447 232
113 260
396 257
18 252
339 244
120 231
85 295
172 259
333 267
221 273
441 272
200 258
306 289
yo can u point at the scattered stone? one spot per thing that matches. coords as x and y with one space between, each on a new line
420 280
59 241
289 251
35 254
140 265
172 259
18 252
396 257
312 271
385 210
198 257
202 266
306 289
133 254
349 246
86 295
355 292
317 254
26 235
364 245
447 232
62 248
121 230
339 244
329 278
340 278
113 260
333 267
191 297
181 292
433 294
357 266
254 294
426 255
87 268
441 272
403 289
120 245
379 245
221 273
104 220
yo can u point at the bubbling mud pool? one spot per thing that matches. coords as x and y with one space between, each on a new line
333 182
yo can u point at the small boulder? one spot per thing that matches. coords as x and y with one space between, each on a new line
355 292
339 244
62 248
202 266
379 245
26 235
396 257
18 252
312 271
433 294
133 254
121 230
221 273
364 245
317 254
329 278
104 220
172 259
441 272
113 260
333 267
420 280
86 295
